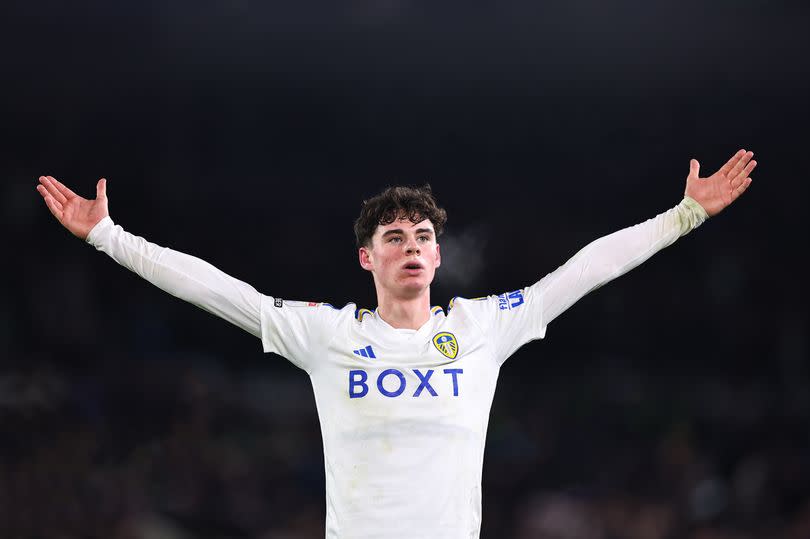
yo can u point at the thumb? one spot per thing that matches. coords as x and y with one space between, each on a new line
101 188
694 168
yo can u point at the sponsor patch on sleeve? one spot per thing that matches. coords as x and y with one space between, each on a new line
510 300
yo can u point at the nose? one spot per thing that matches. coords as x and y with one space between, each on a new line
412 248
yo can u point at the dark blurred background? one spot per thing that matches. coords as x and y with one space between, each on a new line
671 403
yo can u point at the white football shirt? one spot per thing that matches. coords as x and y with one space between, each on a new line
403 413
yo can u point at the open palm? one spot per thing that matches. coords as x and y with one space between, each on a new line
77 214
723 187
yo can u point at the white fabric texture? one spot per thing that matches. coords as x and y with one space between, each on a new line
184 276
403 413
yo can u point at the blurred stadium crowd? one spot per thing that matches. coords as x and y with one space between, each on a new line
182 447
221 122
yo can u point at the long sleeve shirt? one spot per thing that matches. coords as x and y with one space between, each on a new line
403 412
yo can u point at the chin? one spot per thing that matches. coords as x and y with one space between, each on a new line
414 287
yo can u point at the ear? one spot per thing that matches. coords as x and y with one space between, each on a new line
438 256
364 255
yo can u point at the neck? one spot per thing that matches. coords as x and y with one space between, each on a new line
404 313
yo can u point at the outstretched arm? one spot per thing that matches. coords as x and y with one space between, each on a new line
179 274
614 255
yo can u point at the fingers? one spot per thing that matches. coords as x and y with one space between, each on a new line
740 165
62 189
47 196
726 169
51 188
53 205
739 190
740 178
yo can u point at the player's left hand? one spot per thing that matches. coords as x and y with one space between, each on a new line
723 187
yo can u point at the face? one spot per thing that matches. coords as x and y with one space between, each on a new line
403 257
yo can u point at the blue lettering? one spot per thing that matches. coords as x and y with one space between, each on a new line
354 382
454 372
517 295
358 382
424 383
510 300
384 391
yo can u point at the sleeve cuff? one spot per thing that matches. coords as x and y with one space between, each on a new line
93 236
692 212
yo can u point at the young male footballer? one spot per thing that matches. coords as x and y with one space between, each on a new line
403 392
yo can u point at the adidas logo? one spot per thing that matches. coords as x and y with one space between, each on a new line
365 352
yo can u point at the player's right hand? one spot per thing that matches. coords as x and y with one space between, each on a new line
77 214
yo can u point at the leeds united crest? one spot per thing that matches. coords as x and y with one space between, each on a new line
447 344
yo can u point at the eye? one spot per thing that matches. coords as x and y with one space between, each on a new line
395 239
424 238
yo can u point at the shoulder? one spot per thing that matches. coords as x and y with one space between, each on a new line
479 309
319 310
461 303
488 306
502 302
327 310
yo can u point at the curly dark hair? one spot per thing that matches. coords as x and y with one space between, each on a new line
413 203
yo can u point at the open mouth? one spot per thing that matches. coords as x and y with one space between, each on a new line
413 268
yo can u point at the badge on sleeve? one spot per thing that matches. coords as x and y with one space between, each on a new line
447 344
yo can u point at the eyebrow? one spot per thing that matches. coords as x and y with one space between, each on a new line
400 231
